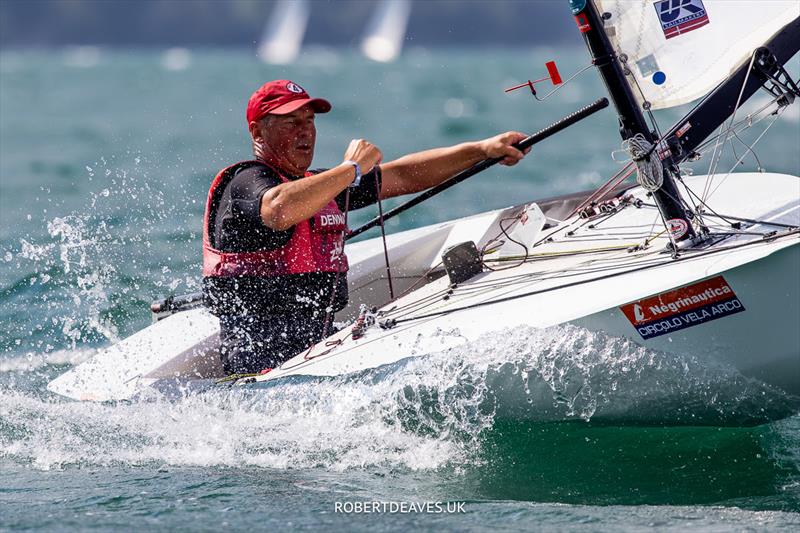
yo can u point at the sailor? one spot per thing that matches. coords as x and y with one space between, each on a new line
274 268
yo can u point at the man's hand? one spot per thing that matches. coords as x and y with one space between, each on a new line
500 146
366 154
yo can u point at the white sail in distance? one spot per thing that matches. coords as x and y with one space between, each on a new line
679 50
283 35
383 40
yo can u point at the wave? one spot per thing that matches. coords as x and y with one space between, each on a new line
421 414
571 373
33 361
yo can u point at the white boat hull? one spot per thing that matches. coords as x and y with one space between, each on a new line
568 282
762 343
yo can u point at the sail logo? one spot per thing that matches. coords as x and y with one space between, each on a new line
682 308
680 16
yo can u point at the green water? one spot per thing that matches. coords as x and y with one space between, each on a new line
104 166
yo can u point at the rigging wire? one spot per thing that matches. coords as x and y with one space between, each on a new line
504 230
747 122
481 287
717 139
478 288
759 167
713 164
558 87
629 168
378 187
749 150
581 282
741 219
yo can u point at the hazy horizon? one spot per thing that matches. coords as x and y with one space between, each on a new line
241 23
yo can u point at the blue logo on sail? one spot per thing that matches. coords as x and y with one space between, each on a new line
680 16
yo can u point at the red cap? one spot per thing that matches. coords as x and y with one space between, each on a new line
281 97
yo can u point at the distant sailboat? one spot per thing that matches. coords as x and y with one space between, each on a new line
283 35
386 30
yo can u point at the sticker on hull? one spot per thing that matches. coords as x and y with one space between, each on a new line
683 308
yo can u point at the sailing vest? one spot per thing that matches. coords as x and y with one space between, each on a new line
316 245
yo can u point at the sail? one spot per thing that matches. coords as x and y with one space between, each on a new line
284 33
386 30
679 50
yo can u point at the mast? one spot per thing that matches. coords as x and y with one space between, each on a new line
631 118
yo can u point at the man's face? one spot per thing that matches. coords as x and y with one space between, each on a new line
288 140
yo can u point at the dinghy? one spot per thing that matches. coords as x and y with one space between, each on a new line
705 265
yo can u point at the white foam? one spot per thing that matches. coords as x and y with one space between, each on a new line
33 361
422 414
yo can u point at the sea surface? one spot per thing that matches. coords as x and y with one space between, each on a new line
105 160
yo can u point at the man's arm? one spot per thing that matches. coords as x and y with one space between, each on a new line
287 204
422 170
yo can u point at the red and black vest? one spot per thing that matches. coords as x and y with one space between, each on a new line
316 245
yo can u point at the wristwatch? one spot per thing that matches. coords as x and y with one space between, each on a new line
357 180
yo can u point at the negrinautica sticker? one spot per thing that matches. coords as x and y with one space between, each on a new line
683 308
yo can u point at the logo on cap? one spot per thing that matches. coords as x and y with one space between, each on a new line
292 86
